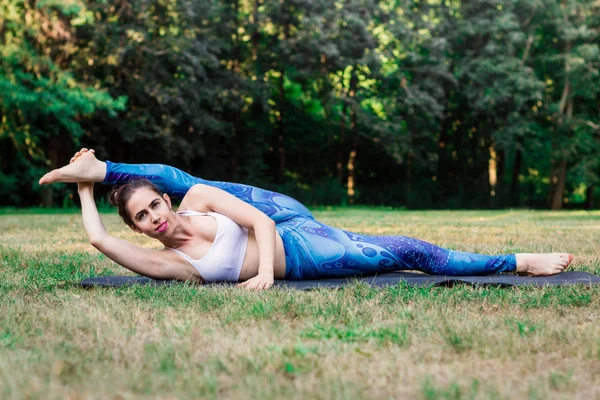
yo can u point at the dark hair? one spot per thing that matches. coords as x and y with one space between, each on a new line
119 196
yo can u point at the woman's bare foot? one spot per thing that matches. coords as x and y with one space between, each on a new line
83 167
542 264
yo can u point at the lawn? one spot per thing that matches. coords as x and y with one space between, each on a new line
59 341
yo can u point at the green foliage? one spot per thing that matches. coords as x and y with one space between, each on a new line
41 102
419 104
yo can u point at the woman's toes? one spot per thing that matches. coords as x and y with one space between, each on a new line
48 178
78 154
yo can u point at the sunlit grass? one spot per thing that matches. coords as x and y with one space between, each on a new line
187 341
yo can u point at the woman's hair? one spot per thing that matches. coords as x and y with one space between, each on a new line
119 196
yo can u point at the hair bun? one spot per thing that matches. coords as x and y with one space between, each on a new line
113 196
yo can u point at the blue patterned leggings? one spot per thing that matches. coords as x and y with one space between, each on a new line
314 250
176 183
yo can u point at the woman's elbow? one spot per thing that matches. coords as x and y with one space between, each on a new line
269 223
97 242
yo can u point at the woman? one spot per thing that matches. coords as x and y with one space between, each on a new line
215 236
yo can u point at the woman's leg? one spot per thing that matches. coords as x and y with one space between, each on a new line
315 250
175 182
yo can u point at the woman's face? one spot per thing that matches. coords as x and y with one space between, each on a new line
151 213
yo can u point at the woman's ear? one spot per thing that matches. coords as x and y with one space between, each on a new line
167 200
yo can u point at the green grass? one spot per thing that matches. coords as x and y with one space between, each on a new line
58 341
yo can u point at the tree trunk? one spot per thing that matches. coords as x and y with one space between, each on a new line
235 149
52 154
444 161
500 166
354 132
589 197
514 183
492 175
557 198
516 170
281 130
280 115
409 176
527 49
561 176
255 37
565 109
352 158
238 120
340 162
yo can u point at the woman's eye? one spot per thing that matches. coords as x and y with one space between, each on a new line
154 205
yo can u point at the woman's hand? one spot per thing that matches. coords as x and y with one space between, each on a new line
259 282
83 186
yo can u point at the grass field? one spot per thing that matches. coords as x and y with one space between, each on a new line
58 341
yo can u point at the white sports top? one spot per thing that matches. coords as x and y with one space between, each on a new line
225 258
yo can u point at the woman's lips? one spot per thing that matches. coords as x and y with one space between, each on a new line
162 227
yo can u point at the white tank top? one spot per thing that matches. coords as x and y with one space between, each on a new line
225 258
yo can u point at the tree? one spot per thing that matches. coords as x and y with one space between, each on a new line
43 104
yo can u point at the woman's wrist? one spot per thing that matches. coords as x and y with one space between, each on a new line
85 187
268 271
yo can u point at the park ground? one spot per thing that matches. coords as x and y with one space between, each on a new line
59 341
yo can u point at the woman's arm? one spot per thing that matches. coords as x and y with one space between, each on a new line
203 197
146 262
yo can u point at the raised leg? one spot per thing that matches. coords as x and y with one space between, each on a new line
171 180
177 182
85 167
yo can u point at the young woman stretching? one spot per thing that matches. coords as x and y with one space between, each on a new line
215 236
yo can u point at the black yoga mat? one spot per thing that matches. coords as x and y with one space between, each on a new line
392 278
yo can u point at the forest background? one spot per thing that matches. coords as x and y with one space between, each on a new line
419 104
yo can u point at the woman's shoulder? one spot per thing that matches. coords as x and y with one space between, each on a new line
195 192
193 202
202 196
